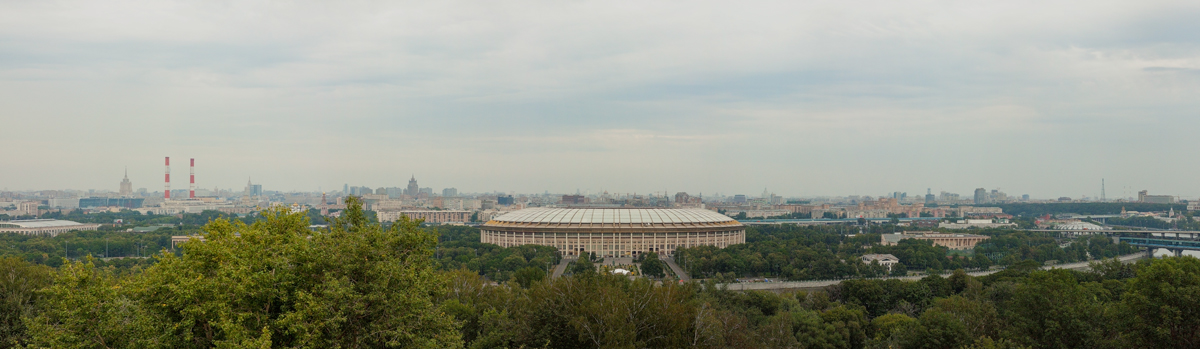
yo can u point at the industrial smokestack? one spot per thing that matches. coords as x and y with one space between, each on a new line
192 186
167 190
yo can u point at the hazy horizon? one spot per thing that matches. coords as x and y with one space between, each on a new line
804 99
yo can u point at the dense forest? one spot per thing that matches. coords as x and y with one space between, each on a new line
277 283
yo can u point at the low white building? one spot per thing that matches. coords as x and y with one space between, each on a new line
886 260
50 227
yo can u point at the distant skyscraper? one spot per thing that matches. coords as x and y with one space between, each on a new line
346 189
981 196
413 189
450 192
929 198
253 190
126 185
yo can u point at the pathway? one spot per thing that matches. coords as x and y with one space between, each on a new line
683 276
560 268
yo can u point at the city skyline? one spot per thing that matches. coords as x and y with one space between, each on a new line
803 98
1114 193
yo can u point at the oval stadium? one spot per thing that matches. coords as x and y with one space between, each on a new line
613 232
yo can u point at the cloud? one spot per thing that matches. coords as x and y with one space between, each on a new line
808 92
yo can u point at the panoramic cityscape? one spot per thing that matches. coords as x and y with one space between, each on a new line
525 174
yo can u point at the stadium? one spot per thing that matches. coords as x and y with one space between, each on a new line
613 232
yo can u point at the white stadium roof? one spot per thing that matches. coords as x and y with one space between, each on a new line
613 216
41 223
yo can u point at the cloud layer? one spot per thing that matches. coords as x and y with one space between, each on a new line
804 98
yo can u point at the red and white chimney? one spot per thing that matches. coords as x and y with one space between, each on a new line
192 186
167 190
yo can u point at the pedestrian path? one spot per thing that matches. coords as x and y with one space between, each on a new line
683 276
560 268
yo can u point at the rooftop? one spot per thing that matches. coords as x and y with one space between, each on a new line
40 223
613 216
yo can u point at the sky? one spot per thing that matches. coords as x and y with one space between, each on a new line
802 98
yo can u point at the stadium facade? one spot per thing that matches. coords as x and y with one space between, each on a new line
613 232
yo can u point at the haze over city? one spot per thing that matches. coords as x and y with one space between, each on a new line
818 98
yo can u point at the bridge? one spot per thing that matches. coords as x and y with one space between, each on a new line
1175 241
1176 246
815 284
816 221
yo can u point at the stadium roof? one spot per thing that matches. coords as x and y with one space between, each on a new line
613 216
41 223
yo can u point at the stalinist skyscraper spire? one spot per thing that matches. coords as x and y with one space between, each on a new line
126 185
412 189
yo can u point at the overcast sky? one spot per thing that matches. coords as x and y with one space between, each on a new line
802 98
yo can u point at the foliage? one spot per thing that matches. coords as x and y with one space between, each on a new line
1162 304
47 250
651 265
273 283
19 283
459 248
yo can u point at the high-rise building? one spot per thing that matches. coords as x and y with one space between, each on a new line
450 192
413 189
504 200
981 196
126 185
929 198
253 190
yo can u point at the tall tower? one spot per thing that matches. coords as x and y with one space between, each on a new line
413 189
126 185
167 186
192 185
1102 196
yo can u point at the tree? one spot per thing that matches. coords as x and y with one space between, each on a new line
1162 304
652 266
528 275
87 308
583 265
889 328
271 284
936 329
1052 310
19 282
